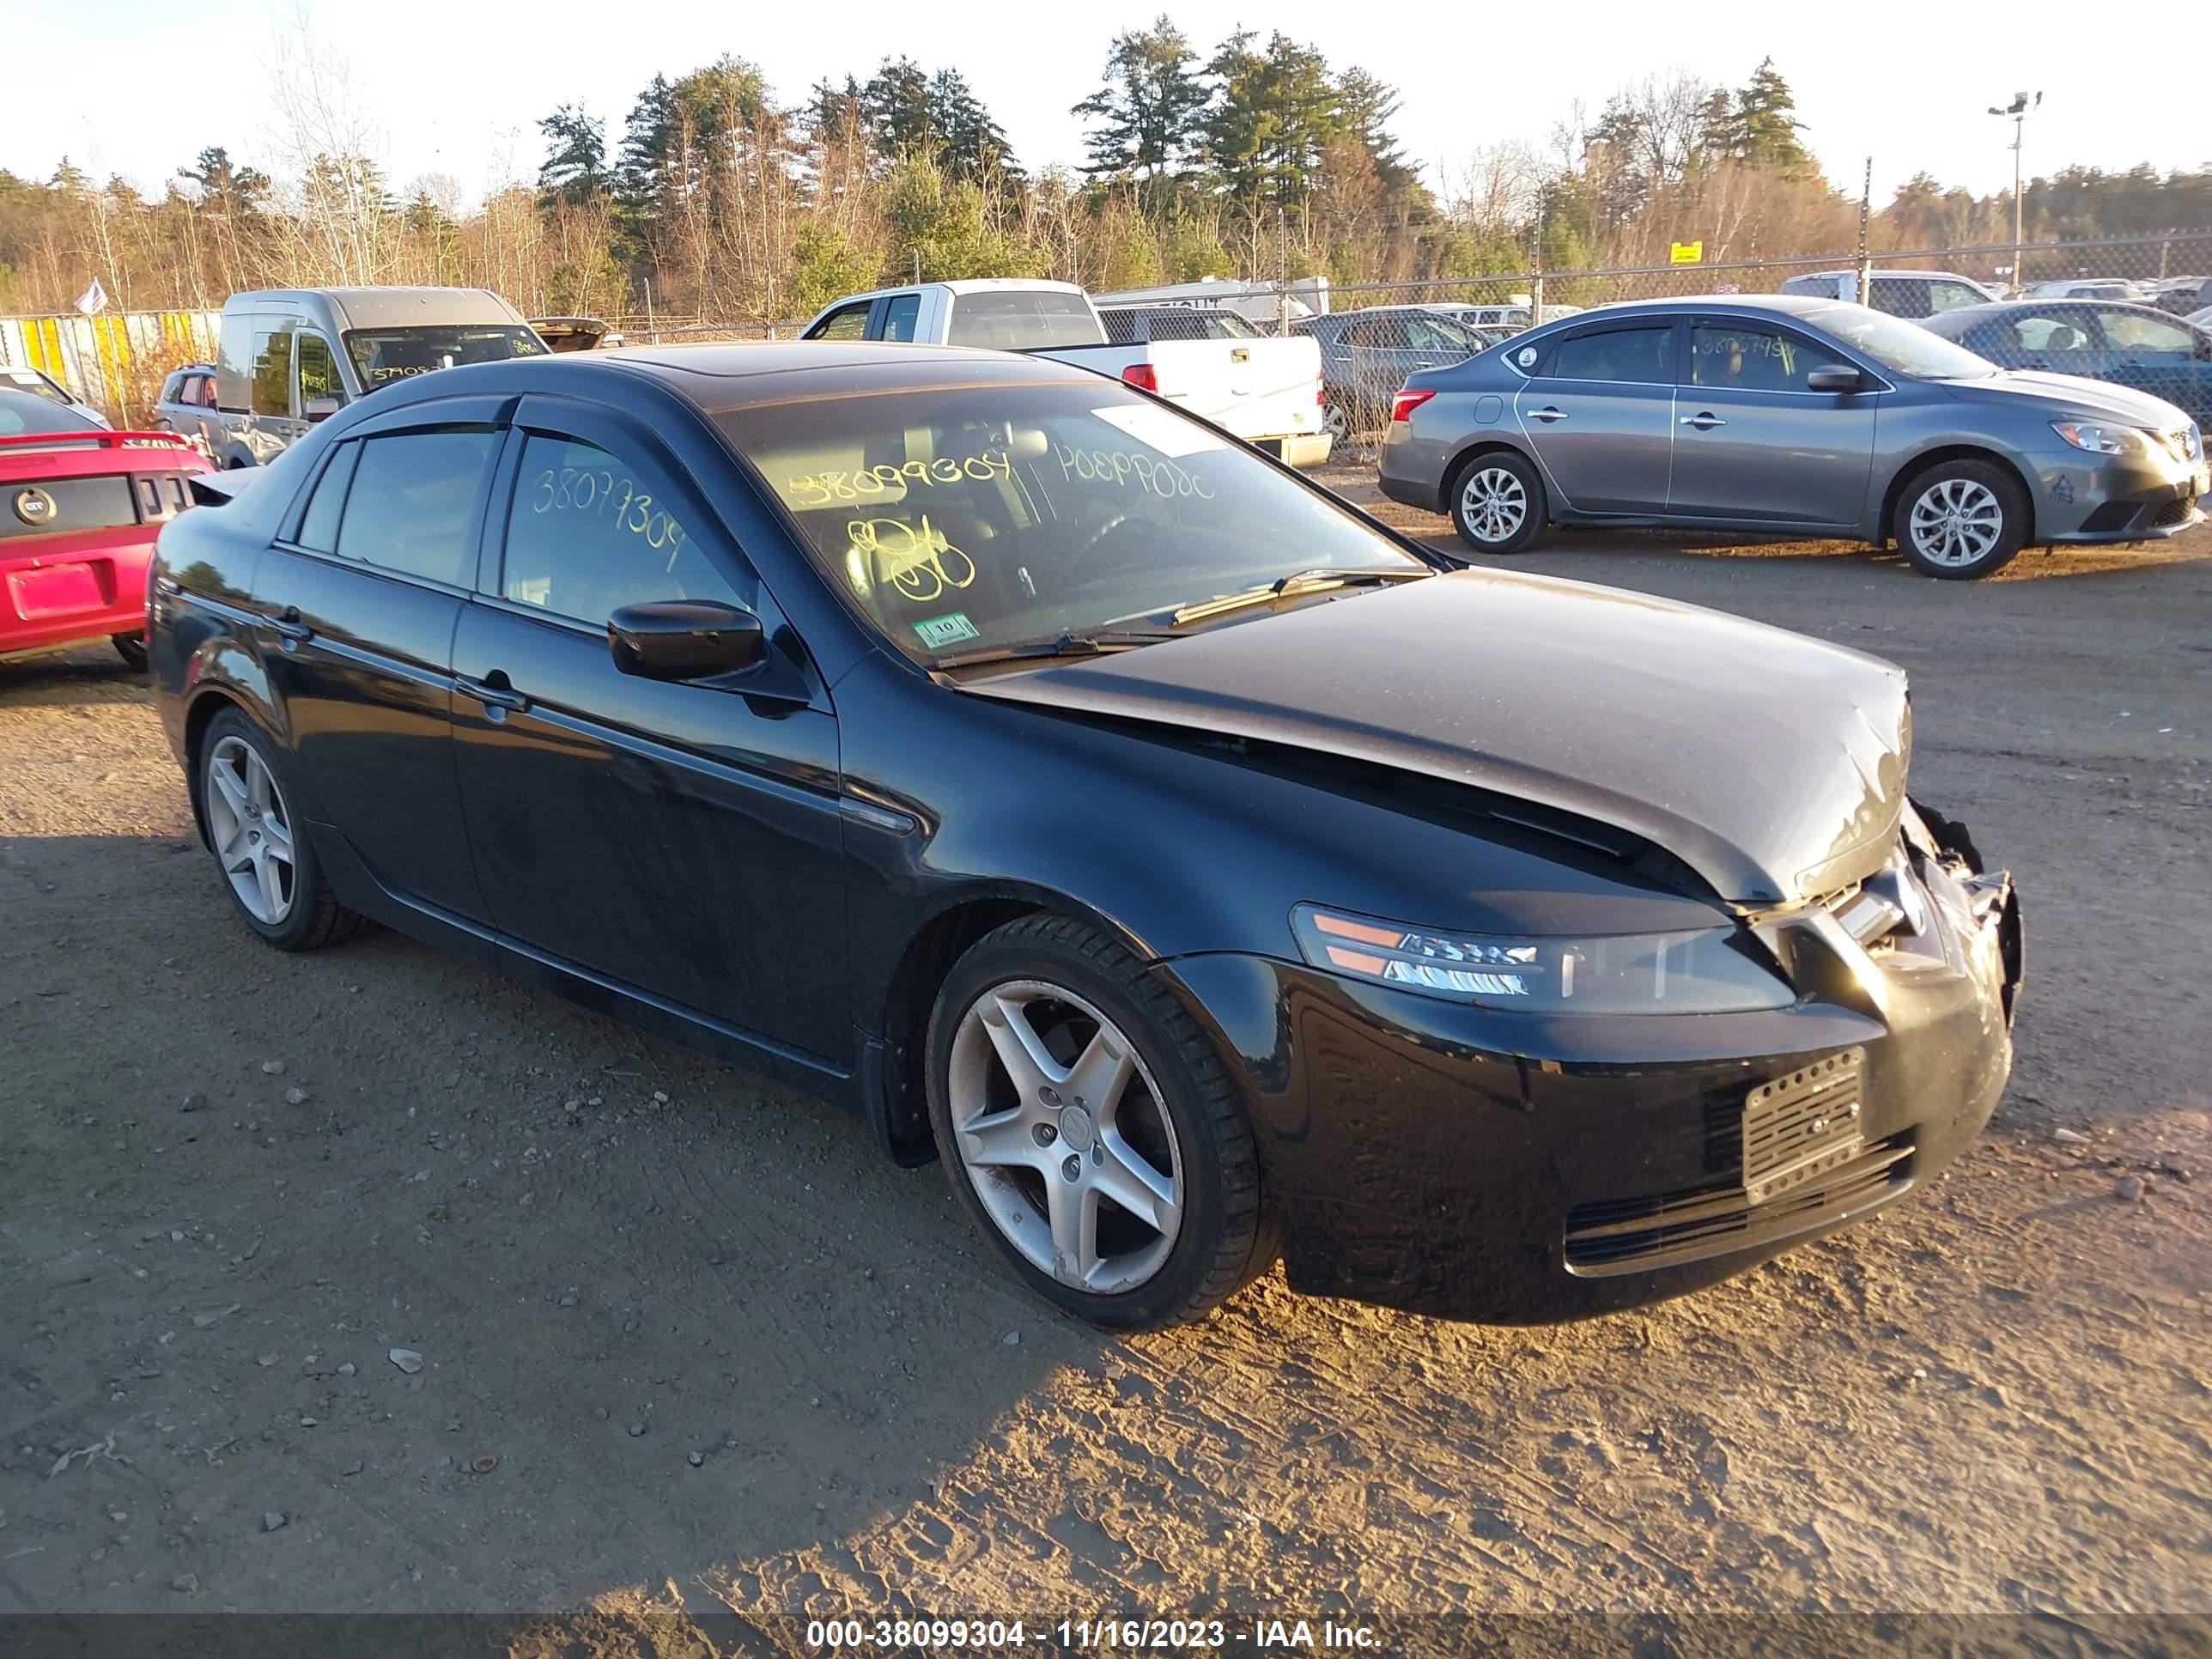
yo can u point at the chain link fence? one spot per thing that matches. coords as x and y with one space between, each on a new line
1376 332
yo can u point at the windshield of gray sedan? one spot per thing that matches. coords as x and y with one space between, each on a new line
962 519
1902 346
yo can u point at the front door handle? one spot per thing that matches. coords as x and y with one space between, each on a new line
288 628
1705 421
1547 414
502 695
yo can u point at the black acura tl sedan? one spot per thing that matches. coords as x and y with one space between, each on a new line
1197 869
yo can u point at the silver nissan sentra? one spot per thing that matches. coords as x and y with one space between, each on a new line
1797 416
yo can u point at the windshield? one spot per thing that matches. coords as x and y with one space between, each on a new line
963 518
25 412
1895 343
30 380
1022 318
381 355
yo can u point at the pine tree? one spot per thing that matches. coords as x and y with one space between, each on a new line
575 166
1145 119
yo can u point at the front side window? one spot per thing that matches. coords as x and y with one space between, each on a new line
964 518
845 323
900 313
408 508
1020 319
318 371
272 371
1746 358
197 391
589 533
1951 296
2146 332
1644 356
1440 334
381 355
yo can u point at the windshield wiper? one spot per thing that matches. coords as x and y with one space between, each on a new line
1098 641
1318 579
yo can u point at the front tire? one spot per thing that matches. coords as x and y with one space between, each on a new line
1960 520
1497 503
1090 1130
261 843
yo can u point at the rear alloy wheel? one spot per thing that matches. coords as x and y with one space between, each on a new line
1090 1130
1497 503
1961 519
1338 422
267 861
131 647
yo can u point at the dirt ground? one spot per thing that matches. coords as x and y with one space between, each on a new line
696 1365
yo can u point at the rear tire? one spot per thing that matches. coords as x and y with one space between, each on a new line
131 647
249 815
1111 1089
1960 520
1497 502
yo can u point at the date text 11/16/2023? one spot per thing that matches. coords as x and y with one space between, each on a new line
1166 1635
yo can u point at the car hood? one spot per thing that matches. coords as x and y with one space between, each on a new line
1771 764
2061 395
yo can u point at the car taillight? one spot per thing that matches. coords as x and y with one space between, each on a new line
1143 376
1408 400
1320 392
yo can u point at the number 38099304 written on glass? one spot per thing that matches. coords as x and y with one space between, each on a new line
616 499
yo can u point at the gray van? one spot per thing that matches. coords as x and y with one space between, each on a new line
290 357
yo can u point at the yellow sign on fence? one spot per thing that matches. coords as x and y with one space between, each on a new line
1685 254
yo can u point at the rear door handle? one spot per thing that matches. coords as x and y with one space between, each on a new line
493 696
1547 414
1704 422
288 628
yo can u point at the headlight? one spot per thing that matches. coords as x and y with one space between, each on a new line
2100 440
1712 970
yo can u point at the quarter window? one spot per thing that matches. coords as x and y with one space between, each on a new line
1639 355
408 507
589 533
272 372
1744 358
318 524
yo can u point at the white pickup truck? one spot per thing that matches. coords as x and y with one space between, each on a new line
1267 391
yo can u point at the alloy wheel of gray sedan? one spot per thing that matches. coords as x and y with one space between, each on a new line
1493 503
250 829
1060 1132
1956 522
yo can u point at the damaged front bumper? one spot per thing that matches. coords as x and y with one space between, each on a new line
1477 1164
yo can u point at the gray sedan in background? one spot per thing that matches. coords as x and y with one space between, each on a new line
1797 417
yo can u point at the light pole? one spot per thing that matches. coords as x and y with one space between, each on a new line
2017 112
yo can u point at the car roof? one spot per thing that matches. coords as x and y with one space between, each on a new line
963 285
2054 303
1796 304
394 307
717 378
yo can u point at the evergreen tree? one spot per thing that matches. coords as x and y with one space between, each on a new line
1147 119
575 166
224 185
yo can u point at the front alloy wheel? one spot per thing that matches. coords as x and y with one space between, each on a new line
1090 1130
1961 519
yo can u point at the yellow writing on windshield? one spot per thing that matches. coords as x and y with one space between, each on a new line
821 489
916 560
1150 473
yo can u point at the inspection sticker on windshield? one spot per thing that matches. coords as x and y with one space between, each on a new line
949 630
1159 429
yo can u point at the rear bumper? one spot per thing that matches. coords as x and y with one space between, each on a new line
78 591
1425 1155
1299 449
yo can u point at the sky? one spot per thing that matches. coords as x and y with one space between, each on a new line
456 88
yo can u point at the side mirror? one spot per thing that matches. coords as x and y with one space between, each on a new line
1834 377
685 640
321 408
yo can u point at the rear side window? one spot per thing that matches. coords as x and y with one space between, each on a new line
1901 296
1643 355
408 509
590 532
1024 319
318 524
900 312
272 371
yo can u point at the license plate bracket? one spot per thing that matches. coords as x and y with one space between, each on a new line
1798 1127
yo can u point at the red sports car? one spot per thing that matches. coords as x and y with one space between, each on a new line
79 509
